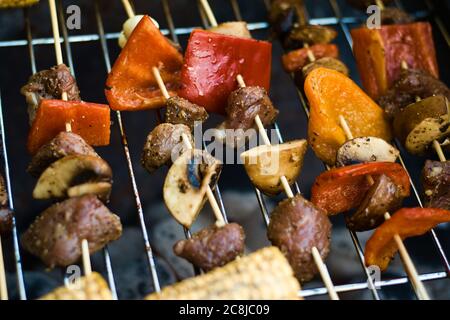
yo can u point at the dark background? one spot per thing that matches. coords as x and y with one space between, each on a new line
127 254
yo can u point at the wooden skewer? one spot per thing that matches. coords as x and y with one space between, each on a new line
287 189
380 4
128 8
86 258
3 285
409 266
209 13
220 221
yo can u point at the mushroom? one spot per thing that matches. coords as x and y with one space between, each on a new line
265 165
233 28
422 122
128 28
365 149
75 175
187 182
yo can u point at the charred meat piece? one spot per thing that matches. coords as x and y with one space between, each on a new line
395 16
296 226
284 15
213 246
363 4
383 196
49 84
410 85
436 184
181 111
64 144
6 216
309 34
164 144
56 235
244 104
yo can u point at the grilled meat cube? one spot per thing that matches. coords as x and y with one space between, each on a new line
6 216
395 16
309 34
56 235
410 85
49 84
164 144
383 196
213 246
296 226
284 15
181 111
244 104
436 184
363 4
64 144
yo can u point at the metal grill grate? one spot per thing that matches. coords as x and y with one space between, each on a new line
337 20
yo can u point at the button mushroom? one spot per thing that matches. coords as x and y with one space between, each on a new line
265 165
186 184
128 28
233 28
75 175
365 149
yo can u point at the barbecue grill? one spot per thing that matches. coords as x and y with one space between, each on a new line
26 47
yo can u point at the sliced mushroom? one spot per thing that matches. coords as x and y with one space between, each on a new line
233 28
365 149
265 165
75 175
383 196
128 28
186 184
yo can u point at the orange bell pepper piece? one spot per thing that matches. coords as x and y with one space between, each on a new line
297 59
89 120
130 85
342 189
379 53
406 222
330 94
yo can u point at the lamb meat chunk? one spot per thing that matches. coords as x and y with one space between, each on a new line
410 85
56 235
64 144
213 246
309 34
49 84
436 184
164 144
296 226
181 111
6 215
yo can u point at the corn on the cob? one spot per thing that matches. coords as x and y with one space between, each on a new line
92 287
16 3
264 275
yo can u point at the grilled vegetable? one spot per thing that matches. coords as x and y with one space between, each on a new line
56 234
130 85
233 28
379 53
330 95
49 84
212 247
244 104
64 144
262 275
365 149
6 215
129 26
181 111
186 183
342 189
265 165
383 196
406 222
327 62
91 121
297 59
212 62
436 184
92 287
73 176
164 145
296 226
16 3
411 85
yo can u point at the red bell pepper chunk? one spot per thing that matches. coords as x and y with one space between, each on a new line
130 85
342 189
379 53
212 62
297 59
406 222
89 120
